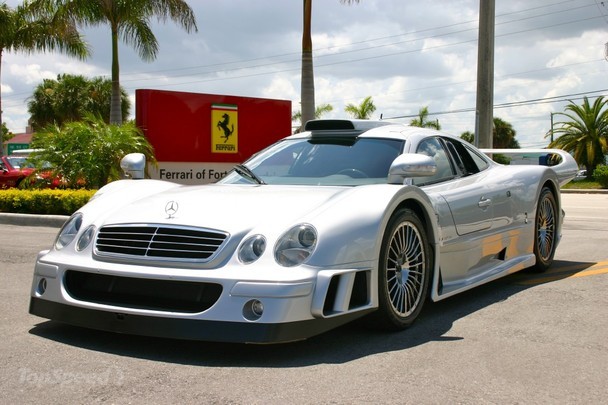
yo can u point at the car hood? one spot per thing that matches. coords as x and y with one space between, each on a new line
229 208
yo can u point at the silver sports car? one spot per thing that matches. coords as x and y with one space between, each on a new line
347 219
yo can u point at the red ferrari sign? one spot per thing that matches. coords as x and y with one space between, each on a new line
198 138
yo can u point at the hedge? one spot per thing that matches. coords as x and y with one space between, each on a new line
600 174
47 202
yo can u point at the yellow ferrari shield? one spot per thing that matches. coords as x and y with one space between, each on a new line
224 128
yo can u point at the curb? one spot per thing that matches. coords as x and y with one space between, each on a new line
55 221
583 191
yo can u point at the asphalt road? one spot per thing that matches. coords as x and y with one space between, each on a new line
529 339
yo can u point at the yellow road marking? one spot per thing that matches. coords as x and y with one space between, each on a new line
591 272
568 272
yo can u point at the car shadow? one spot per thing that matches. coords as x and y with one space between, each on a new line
341 345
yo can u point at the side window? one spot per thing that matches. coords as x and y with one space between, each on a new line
467 160
479 161
433 147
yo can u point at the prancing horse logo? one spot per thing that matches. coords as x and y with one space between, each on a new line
223 125
171 208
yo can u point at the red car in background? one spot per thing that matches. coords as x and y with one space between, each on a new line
14 169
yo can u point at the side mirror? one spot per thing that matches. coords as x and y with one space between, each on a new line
410 165
134 165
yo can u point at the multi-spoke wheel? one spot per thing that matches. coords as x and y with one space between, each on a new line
403 272
545 230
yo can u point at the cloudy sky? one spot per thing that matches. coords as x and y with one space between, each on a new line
405 54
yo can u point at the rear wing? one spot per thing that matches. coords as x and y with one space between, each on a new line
559 160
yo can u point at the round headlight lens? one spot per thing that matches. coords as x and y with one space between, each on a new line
86 238
307 236
296 245
252 249
68 231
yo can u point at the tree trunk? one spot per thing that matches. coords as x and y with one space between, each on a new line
115 104
1 127
307 90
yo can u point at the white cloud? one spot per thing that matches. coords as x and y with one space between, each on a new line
5 89
30 73
282 88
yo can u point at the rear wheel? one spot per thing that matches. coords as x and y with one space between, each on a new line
403 272
545 230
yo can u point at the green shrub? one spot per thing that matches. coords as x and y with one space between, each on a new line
600 174
47 202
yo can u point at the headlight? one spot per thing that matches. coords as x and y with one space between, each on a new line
86 238
296 245
68 231
252 249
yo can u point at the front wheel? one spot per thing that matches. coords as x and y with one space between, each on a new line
403 272
545 230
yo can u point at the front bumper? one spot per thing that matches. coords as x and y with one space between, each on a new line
189 329
211 305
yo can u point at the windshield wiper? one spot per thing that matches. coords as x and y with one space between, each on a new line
247 173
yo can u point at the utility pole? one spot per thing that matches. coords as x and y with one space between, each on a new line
552 127
485 75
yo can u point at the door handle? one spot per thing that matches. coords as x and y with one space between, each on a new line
484 202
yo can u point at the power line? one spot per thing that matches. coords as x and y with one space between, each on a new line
544 100
600 9
123 75
7 100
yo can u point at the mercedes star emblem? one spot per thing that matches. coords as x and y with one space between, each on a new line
171 208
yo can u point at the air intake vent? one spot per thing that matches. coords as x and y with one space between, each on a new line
343 125
142 293
159 242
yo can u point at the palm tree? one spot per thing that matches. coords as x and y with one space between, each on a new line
468 136
34 27
69 97
585 133
423 122
362 111
319 112
307 84
503 135
129 21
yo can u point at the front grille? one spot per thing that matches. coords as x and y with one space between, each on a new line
142 293
159 242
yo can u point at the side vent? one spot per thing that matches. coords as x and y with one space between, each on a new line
347 292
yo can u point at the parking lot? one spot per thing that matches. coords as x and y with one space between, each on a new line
524 339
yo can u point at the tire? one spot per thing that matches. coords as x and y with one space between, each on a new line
545 230
403 272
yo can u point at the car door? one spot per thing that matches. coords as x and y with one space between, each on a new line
469 198
8 176
475 197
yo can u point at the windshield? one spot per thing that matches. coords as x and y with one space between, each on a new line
330 162
18 162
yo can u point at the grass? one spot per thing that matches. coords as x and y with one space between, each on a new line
583 185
